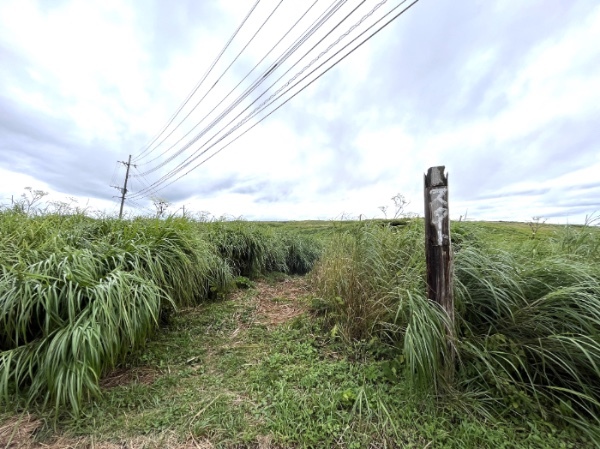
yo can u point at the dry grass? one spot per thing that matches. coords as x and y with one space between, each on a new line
126 376
280 302
19 432
274 303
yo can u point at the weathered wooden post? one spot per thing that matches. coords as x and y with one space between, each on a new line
438 250
437 240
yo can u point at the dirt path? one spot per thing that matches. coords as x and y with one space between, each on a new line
271 304
277 302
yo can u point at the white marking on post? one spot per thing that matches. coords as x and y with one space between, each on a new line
439 210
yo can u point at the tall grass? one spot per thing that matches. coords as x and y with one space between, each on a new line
61 335
245 247
530 332
253 250
363 272
527 331
78 295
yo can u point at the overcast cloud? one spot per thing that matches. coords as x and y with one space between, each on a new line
505 94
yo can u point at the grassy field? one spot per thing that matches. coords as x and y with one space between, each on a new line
349 355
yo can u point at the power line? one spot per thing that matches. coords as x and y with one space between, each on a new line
143 151
248 91
114 174
316 25
141 208
135 203
265 103
282 104
143 180
209 91
191 158
181 167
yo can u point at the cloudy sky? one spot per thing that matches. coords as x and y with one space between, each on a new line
505 94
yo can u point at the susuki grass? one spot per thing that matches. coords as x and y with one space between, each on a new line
78 295
530 333
252 250
361 274
527 332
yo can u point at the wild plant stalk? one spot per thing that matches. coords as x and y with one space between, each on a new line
361 274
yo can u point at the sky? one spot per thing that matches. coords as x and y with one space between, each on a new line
504 94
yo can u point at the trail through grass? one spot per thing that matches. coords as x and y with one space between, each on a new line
257 370
78 296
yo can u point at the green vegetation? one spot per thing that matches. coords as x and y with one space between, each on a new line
79 295
247 373
527 331
252 250
361 271
249 354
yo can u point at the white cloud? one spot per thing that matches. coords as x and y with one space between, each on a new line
107 76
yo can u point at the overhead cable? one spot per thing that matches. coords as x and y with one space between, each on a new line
160 184
261 77
192 157
212 87
250 89
148 146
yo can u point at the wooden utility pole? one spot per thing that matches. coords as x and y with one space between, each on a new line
438 250
124 189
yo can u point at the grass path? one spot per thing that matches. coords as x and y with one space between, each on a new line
258 370
178 392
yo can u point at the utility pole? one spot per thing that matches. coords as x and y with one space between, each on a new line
124 189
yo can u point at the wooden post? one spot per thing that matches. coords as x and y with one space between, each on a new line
438 251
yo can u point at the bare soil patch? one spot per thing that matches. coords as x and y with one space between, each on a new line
126 376
278 302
